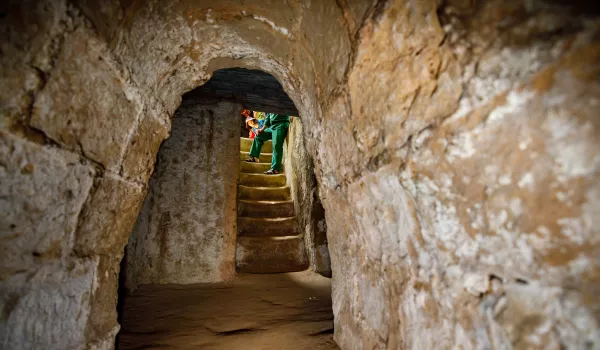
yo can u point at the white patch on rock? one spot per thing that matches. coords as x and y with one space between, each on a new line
208 18
281 30
491 171
505 180
515 102
524 144
321 225
568 145
591 214
461 147
562 196
526 181
544 231
330 181
421 138
515 206
497 220
464 107
525 250
476 284
572 228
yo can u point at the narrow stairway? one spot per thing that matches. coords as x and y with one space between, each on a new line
269 240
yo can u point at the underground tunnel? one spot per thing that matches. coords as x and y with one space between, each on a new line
452 150
209 215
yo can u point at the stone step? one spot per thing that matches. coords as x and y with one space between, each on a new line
265 209
264 193
262 180
264 157
246 143
254 168
271 254
267 227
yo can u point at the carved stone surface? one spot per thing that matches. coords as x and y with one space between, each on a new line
185 232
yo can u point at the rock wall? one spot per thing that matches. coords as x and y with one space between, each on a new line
78 143
460 171
307 205
454 143
186 230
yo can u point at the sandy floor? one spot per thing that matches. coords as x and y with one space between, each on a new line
283 311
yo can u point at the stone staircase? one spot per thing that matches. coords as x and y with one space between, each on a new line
269 240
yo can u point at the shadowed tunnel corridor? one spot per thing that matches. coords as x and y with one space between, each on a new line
210 218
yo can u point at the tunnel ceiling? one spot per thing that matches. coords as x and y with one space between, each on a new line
255 89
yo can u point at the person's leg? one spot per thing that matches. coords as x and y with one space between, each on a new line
278 138
258 142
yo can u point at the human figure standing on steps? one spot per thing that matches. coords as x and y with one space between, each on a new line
275 129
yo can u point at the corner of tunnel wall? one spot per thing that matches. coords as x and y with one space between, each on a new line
300 177
187 231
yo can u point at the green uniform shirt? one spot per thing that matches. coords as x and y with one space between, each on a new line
274 119
276 130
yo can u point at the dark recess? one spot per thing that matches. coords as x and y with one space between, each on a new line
254 89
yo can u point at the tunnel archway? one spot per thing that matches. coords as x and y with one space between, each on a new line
205 226
186 230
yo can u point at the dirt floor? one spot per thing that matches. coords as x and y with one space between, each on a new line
281 311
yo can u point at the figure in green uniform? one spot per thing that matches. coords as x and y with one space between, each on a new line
276 129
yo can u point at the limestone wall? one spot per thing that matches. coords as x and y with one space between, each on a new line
307 205
460 171
186 230
77 145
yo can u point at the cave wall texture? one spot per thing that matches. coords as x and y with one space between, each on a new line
186 230
454 143
470 195
308 208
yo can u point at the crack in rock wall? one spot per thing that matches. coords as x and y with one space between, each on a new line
454 143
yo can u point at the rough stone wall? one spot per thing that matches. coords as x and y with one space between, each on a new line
186 230
77 144
307 206
460 171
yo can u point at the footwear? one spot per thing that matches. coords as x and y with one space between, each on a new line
251 160
271 172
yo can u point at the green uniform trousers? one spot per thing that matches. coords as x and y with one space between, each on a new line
277 133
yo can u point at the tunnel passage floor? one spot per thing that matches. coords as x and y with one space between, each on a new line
277 311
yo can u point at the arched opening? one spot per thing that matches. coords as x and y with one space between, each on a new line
212 221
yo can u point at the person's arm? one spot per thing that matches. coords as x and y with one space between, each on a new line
267 123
